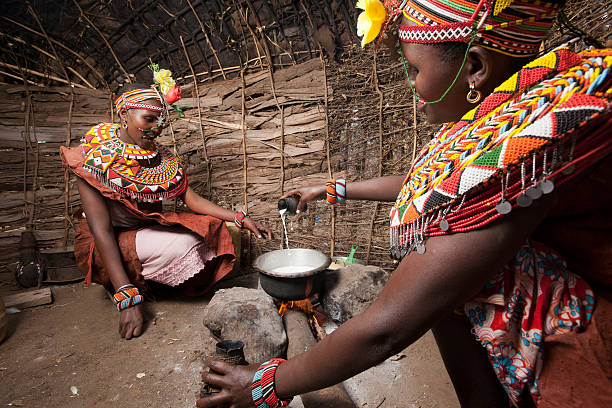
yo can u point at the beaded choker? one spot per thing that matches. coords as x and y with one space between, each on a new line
521 141
115 164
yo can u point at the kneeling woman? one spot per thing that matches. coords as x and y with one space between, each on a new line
124 239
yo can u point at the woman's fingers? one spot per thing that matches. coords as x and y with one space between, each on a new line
215 400
218 366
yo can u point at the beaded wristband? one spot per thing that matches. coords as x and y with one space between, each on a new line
330 188
239 218
127 296
341 190
262 388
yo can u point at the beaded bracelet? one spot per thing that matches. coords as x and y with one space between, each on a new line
127 296
262 388
330 188
239 218
341 191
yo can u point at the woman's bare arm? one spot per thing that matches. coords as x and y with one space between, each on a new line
200 205
377 189
422 289
98 217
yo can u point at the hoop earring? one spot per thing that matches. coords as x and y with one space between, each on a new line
124 125
473 95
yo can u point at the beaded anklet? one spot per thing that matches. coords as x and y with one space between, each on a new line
127 296
239 218
262 388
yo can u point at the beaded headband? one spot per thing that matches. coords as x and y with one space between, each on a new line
510 27
133 99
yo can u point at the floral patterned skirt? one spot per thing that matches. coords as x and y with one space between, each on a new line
531 297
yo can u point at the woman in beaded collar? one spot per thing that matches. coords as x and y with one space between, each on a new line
125 240
501 227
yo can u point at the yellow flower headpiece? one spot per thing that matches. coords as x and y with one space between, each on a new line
370 20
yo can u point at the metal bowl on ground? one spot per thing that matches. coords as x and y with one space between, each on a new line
291 274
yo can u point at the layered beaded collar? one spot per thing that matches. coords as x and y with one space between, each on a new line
505 152
116 165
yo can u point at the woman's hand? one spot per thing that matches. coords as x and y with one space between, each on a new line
234 382
131 322
307 194
258 229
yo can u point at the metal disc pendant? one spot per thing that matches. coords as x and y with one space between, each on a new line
547 186
569 170
524 200
420 248
503 207
393 253
534 192
444 225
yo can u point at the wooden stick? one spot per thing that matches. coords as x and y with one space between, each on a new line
255 40
197 95
67 222
75 72
332 234
244 157
380 148
40 74
83 60
263 36
127 76
207 38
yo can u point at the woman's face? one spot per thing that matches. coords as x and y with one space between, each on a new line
139 121
431 75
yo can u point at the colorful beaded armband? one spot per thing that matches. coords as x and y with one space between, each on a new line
330 188
239 219
262 389
341 191
127 296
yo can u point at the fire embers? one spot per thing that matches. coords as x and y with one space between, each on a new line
309 307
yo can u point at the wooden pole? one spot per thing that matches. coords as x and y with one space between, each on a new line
71 51
207 38
84 17
244 158
332 233
197 95
67 221
380 149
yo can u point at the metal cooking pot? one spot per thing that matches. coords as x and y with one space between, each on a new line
291 274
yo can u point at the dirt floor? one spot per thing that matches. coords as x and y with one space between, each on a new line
69 354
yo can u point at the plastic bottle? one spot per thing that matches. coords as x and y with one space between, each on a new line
290 204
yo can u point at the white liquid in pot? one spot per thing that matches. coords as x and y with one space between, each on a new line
291 269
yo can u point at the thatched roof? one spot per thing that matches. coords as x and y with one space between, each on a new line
99 44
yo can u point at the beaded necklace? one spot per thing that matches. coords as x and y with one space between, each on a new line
115 164
507 151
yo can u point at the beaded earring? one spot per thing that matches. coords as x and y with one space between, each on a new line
473 95
124 125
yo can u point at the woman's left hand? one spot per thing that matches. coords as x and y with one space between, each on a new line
233 381
258 229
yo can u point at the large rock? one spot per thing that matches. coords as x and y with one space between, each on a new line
248 315
349 291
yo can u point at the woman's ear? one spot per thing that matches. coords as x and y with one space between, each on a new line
123 114
479 66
